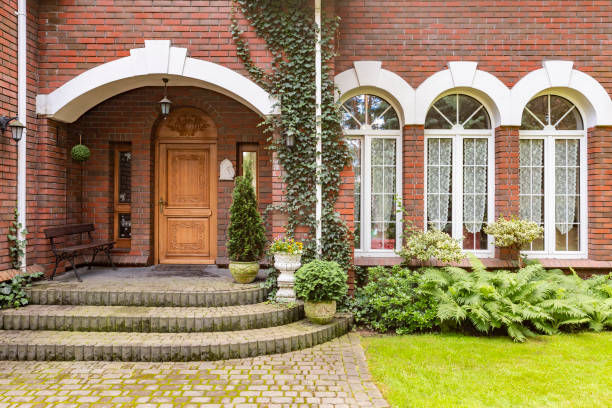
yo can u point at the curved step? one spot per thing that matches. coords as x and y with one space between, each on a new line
177 292
149 319
61 345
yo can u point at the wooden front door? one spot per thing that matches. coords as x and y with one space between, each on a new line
186 203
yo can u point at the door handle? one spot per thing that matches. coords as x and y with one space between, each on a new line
161 204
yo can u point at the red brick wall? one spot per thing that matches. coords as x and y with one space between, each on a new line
8 107
415 39
413 181
78 35
600 192
507 171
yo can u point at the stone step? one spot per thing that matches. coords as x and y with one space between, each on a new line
208 292
113 346
149 319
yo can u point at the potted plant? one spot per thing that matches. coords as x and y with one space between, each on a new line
320 284
513 234
287 258
247 238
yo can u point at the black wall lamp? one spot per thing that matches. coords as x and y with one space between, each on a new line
165 103
15 125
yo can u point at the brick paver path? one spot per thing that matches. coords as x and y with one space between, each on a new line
333 374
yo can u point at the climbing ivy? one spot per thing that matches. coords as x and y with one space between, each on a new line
289 32
17 245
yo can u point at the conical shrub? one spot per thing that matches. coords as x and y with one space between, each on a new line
247 239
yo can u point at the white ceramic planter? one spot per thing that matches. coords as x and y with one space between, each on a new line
287 264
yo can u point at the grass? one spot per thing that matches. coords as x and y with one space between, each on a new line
452 370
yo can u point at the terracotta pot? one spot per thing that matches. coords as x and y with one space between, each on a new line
244 272
320 312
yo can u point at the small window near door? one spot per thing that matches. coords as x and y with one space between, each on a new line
247 158
123 196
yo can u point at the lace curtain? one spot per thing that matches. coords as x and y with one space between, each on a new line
474 183
531 177
566 174
439 155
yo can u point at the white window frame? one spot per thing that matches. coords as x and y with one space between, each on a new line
549 137
458 135
366 137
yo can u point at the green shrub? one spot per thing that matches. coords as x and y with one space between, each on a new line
11 292
435 244
321 281
247 239
80 152
513 233
532 300
392 301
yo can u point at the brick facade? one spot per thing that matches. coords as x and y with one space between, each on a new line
412 39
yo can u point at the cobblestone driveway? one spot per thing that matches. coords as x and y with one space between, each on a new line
333 374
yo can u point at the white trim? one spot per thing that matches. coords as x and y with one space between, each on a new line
504 105
22 114
559 78
463 77
368 77
145 67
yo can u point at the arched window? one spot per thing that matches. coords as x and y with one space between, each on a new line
372 128
459 173
553 175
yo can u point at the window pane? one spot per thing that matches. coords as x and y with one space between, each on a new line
125 177
448 107
354 146
355 107
475 186
539 107
567 195
439 188
383 177
249 161
472 115
125 225
376 107
531 193
435 121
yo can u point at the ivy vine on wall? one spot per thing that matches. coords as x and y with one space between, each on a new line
289 31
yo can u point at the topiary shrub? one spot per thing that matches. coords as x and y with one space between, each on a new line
247 239
392 301
321 281
80 153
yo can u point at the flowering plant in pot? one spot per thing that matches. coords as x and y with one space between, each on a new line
320 284
287 258
247 240
514 234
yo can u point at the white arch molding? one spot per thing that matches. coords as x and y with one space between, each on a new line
145 67
369 77
505 105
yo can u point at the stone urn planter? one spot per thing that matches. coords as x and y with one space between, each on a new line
320 312
287 264
244 272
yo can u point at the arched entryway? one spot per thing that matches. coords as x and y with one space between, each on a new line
185 203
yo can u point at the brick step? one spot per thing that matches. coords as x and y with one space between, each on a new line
175 293
149 319
113 346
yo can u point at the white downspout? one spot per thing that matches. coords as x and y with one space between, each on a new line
22 116
319 206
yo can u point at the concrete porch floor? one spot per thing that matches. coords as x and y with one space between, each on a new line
159 273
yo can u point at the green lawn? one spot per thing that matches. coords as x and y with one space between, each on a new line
434 370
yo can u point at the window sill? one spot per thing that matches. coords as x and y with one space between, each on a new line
490 262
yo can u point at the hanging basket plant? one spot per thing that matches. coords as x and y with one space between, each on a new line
80 153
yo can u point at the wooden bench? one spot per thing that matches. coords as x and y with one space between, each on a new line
70 252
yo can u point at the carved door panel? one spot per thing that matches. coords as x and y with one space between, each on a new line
186 203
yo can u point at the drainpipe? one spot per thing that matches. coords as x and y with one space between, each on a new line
319 206
22 115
